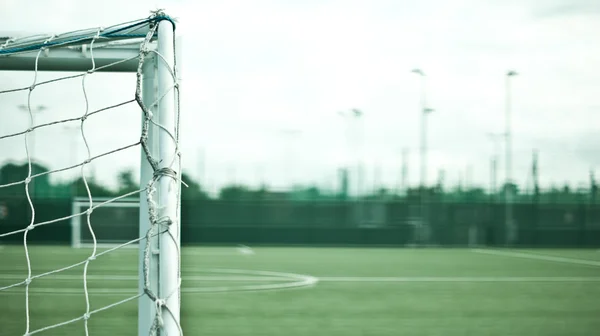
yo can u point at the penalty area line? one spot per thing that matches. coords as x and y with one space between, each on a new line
239 250
233 278
523 255
304 282
458 279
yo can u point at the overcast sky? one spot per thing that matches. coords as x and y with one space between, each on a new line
254 71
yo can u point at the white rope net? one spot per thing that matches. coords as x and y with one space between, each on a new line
142 33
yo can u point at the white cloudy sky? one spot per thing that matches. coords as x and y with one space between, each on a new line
256 69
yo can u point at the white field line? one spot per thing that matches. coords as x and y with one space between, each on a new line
304 281
458 279
135 278
538 257
94 268
237 251
210 254
232 278
286 281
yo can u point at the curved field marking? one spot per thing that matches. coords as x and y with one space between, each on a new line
289 281
298 280
136 278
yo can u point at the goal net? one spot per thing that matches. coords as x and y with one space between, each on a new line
148 218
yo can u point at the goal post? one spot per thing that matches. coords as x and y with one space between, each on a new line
147 48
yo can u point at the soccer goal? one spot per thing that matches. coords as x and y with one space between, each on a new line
148 218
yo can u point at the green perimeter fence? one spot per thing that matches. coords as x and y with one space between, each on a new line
340 223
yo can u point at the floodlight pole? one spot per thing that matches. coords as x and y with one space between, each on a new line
404 173
423 111
508 137
354 115
495 138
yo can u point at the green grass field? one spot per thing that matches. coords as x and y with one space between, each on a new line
360 291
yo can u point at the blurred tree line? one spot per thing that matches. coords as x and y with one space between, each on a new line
13 175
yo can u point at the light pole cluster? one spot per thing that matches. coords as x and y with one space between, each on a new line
424 111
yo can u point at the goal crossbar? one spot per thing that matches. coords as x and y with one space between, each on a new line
115 49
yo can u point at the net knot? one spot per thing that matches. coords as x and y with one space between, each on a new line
89 211
92 258
86 316
49 39
28 180
160 303
30 227
27 281
149 293
32 87
87 161
84 117
165 221
10 40
166 171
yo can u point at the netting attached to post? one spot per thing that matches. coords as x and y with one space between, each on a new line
145 47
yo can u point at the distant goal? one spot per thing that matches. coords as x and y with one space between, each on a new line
116 223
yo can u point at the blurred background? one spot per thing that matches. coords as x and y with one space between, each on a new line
339 122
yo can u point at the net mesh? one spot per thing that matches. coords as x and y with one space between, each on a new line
142 33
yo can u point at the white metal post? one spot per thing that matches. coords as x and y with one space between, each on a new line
147 308
168 187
